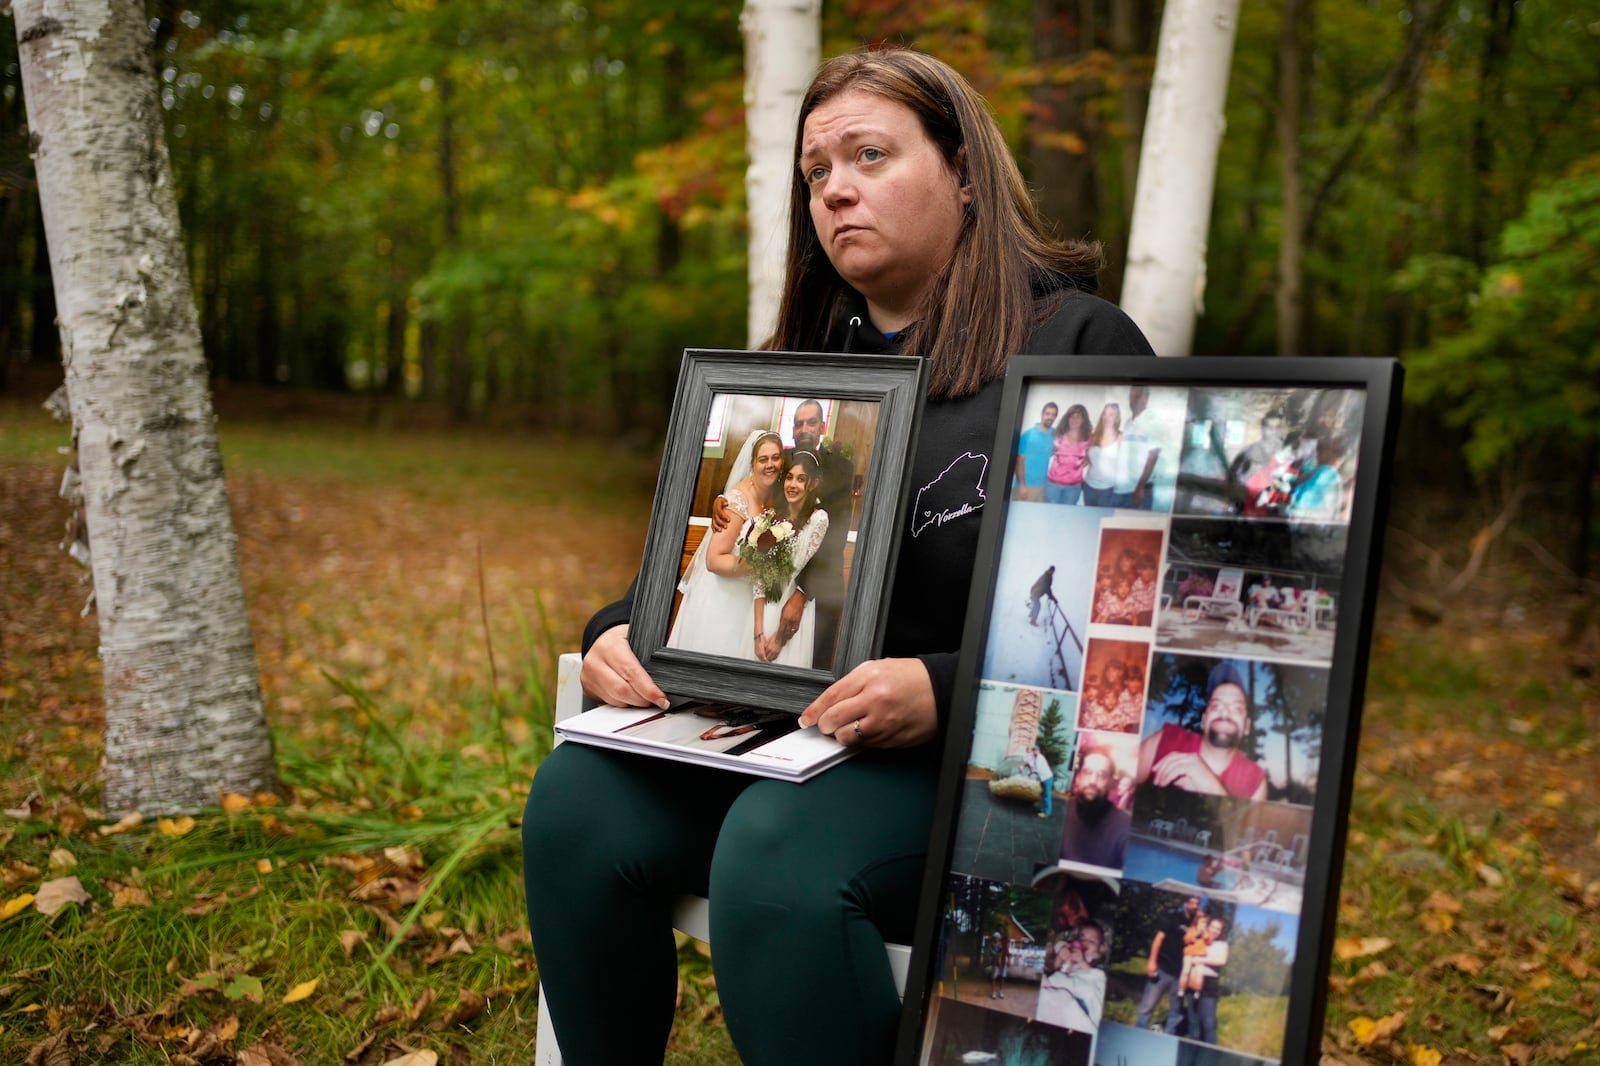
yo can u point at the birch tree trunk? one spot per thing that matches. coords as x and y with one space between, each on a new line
1291 91
184 718
1164 287
782 46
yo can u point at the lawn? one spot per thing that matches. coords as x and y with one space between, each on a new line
409 589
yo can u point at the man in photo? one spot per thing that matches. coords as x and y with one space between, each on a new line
1096 831
1034 452
1253 469
999 962
1164 965
1043 589
1207 955
1209 761
1039 766
1137 462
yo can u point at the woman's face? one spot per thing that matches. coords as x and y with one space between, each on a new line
1111 416
795 485
767 463
886 206
1075 422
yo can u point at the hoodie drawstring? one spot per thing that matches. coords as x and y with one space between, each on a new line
850 334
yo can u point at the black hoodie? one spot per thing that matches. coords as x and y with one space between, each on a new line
938 546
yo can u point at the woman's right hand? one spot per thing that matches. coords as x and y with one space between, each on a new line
612 674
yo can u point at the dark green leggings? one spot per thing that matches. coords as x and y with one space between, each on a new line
806 882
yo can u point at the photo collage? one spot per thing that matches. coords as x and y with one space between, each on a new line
1125 884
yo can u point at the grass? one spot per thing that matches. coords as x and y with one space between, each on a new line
408 590
384 564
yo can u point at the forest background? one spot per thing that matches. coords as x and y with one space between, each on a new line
412 217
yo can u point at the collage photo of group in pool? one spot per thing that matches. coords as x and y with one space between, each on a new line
1130 853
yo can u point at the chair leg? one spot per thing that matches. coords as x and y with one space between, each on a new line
545 1050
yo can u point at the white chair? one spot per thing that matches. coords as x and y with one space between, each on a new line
1223 602
690 914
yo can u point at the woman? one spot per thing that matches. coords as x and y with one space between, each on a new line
1063 481
716 585
911 231
804 512
1105 447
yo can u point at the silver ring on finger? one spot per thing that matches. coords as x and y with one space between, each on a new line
859 733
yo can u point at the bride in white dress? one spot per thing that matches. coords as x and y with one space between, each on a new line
798 502
712 619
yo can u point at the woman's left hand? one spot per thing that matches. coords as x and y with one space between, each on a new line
883 703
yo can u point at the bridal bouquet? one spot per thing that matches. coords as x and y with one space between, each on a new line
768 550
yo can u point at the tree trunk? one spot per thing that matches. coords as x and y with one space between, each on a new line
458 383
782 42
43 341
1166 278
184 721
1291 88
1063 140
1128 43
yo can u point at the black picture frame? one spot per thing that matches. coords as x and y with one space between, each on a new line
896 386
1267 863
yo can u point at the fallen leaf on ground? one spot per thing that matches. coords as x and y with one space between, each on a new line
62 859
127 823
56 1051
349 938
469 1005
266 1053
15 906
233 803
1437 921
1422 1055
415 1058
1441 902
175 827
1367 1031
423 1002
129 896
1491 877
302 990
31 806
53 895
1354 947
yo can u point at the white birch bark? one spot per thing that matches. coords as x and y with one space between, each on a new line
782 46
184 718
1164 287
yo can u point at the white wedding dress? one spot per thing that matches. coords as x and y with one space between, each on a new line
798 652
716 616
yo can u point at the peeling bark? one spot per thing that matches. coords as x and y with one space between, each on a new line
184 718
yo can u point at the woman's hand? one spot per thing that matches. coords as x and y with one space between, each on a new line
883 703
611 673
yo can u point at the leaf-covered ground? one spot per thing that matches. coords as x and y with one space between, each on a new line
433 577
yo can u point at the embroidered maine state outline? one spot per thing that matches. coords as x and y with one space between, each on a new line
957 491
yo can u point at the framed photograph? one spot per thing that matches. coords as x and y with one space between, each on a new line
1140 824
772 540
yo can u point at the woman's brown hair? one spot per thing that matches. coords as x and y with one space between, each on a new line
980 309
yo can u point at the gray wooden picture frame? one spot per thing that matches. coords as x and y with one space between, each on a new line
897 384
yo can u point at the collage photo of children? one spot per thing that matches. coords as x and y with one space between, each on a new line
1130 852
